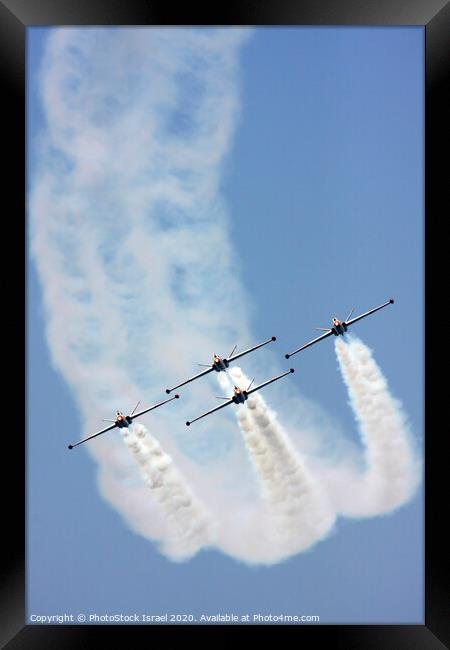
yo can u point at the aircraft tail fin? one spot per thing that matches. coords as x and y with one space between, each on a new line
134 410
232 352
349 316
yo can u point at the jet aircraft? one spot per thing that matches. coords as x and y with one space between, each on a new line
240 396
220 364
338 327
122 420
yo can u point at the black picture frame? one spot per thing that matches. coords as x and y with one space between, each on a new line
15 17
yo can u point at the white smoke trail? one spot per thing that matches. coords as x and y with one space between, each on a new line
125 222
189 526
299 512
392 470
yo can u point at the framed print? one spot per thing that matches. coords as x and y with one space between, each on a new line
225 263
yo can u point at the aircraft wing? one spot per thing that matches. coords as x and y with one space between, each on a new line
200 374
94 435
316 340
270 381
221 406
241 354
151 408
367 313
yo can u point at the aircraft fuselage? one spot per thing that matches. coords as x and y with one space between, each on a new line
240 398
221 364
339 328
123 422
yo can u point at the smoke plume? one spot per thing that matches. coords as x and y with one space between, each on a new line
391 469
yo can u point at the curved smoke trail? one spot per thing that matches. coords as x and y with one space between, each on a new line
189 526
298 511
126 217
391 474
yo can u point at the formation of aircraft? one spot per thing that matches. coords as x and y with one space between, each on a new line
240 396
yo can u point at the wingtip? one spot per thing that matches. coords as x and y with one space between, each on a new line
292 369
286 356
274 338
70 446
391 300
168 391
188 423
177 396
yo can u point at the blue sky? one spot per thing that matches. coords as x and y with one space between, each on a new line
322 191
